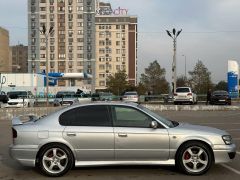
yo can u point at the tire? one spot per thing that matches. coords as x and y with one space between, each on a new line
190 162
175 103
55 160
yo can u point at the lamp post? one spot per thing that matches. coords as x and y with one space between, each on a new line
46 34
185 58
174 36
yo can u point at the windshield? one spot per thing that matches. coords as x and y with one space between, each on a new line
17 94
65 94
220 93
165 121
182 90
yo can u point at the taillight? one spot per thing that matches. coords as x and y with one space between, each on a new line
189 94
175 94
135 97
14 133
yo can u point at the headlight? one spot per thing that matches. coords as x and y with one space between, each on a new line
227 139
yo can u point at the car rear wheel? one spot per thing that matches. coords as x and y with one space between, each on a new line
194 158
55 160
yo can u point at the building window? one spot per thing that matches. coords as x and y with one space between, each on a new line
118 51
118 35
80 16
80 8
80 32
101 83
101 51
101 34
80 24
42 55
80 48
79 55
101 67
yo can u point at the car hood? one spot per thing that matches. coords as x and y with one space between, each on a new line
197 129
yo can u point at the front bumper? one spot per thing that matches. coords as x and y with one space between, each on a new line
25 156
224 153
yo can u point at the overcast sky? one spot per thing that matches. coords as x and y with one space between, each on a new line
211 31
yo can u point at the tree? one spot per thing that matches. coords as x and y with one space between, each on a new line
200 79
182 81
141 89
221 85
117 83
154 79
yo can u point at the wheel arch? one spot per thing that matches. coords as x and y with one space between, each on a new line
55 143
196 141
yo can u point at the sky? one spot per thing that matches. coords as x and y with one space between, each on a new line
210 31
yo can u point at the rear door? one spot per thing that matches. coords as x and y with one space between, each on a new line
89 130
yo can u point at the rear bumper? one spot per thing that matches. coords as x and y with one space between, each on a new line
25 156
224 153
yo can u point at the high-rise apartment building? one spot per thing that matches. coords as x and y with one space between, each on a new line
71 48
116 45
19 55
5 60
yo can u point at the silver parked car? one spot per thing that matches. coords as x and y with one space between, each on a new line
116 134
65 98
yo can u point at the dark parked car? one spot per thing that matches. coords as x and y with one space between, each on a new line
220 97
3 97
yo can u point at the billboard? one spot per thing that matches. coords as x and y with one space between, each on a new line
233 79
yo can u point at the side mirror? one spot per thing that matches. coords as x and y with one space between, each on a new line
154 124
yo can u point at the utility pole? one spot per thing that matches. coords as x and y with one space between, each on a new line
46 34
174 36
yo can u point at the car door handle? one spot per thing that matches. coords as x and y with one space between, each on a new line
122 135
71 134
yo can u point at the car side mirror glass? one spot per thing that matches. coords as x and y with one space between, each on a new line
154 124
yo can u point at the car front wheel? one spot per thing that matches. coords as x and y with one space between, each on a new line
55 160
194 158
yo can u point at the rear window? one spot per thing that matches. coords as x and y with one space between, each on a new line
86 116
17 94
131 93
182 90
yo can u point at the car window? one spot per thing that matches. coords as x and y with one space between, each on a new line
86 116
130 117
130 93
182 90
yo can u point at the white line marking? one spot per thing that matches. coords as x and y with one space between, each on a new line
231 169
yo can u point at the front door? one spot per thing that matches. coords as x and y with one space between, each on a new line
135 140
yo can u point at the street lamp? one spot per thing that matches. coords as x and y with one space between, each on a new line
46 34
174 36
185 65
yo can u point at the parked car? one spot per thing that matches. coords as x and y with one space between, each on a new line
102 96
130 96
3 97
65 98
20 99
220 97
110 133
184 95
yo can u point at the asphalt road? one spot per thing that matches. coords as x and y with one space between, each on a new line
227 120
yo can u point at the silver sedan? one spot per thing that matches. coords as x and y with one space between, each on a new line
116 134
